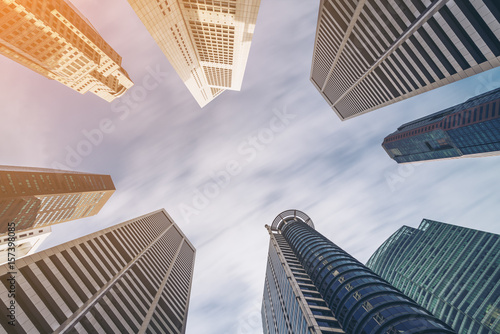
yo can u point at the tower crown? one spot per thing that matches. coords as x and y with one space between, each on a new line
289 216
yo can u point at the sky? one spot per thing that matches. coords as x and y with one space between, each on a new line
224 171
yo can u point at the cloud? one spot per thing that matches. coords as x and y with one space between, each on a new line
167 148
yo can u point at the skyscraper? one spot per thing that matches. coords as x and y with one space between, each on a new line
452 271
134 277
52 38
470 129
313 286
37 197
369 54
206 42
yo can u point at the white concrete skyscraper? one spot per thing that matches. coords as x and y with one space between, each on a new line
134 277
206 41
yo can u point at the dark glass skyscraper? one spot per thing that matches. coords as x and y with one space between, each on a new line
452 271
313 286
371 53
470 129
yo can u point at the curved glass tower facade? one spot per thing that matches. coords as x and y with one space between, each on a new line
360 301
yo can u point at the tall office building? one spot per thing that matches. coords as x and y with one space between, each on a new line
452 271
206 42
470 129
313 286
52 38
371 53
134 277
37 197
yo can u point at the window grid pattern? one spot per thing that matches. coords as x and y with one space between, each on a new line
214 42
209 51
471 128
227 6
453 271
53 39
41 197
217 76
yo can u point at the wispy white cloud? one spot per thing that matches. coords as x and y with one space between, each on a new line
166 149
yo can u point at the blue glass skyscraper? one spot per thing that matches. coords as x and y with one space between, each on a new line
470 129
313 286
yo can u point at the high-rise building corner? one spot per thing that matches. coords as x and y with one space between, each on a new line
369 53
52 38
134 277
467 130
206 42
36 197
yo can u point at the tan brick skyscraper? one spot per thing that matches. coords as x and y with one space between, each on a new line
54 39
36 197
207 42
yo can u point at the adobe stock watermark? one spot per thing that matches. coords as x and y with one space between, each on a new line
123 106
247 151
251 322
396 179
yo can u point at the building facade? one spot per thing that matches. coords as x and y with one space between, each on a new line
452 271
52 38
134 277
25 243
371 53
206 42
38 197
470 129
313 286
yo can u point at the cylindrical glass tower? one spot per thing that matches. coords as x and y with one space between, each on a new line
361 301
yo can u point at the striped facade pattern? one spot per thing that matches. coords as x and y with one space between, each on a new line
291 303
371 53
37 197
134 277
207 42
470 129
452 271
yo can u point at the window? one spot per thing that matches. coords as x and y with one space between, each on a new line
378 318
357 295
367 306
